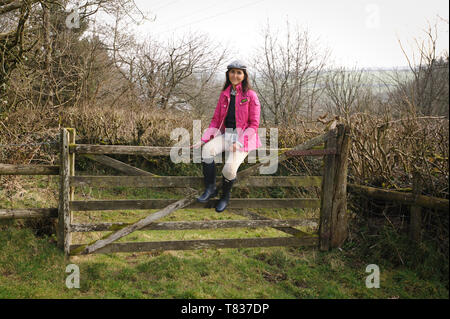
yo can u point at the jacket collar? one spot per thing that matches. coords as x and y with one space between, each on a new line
228 89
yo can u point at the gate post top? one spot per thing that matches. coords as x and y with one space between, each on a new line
70 130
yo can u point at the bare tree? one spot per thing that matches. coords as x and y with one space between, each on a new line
287 73
49 62
172 75
184 69
343 89
12 43
426 88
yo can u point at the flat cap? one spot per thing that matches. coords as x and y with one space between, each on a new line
237 65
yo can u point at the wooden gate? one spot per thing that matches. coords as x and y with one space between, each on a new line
332 230
332 203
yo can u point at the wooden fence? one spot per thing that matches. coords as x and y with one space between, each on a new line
327 237
333 223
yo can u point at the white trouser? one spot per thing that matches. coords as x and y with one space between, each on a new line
217 146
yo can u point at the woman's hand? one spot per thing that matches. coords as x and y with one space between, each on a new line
197 145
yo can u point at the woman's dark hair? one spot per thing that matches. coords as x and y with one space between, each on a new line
245 83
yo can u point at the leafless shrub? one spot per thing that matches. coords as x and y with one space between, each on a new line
385 152
287 74
426 88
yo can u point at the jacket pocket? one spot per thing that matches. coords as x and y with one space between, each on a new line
243 110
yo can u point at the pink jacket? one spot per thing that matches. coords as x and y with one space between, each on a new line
248 112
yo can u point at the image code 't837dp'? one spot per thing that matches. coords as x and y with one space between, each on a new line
224 309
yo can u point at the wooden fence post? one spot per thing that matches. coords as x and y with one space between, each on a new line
72 135
64 218
333 228
71 163
339 215
415 222
326 203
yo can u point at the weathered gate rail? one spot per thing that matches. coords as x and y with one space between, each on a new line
140 178
298 238
332 221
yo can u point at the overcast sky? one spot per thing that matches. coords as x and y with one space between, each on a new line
362 33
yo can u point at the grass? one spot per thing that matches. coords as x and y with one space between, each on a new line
32 267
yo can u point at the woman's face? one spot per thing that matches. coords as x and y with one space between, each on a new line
236 76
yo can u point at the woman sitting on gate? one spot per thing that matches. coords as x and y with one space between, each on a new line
233 129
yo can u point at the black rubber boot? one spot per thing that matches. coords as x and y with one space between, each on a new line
209 173
225 198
